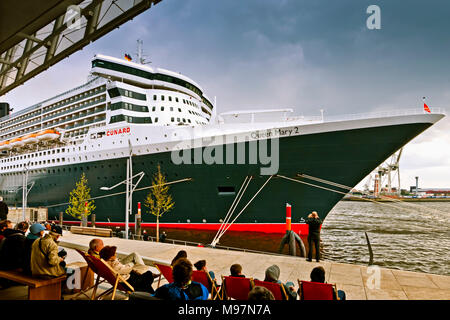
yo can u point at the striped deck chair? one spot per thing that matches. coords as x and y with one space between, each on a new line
277 289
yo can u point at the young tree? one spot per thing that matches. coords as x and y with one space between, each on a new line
78 199
158 200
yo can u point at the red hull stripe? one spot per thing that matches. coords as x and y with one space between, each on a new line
242 227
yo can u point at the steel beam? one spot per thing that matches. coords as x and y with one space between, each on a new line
52 42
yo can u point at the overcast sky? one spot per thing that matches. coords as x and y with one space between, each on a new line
306 55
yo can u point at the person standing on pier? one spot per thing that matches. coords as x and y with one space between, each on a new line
313 221
3 210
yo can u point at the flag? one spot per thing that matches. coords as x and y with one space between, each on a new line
127 57
425 107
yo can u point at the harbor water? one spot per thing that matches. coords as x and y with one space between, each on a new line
412 237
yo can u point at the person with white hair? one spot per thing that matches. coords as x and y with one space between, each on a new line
314 224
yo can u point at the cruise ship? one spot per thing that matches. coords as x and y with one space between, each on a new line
237 169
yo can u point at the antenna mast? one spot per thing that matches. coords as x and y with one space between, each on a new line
140 52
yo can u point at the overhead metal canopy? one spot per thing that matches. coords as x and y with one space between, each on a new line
36 34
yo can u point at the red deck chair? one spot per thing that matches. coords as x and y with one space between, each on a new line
205 279
91 266
236 287
165 270
277 289
103 270
317 291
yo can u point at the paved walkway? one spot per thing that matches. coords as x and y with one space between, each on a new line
359 282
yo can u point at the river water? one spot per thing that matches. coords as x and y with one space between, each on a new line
406 236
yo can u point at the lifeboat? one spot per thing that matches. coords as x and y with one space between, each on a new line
16 143
47 135
30 138
4 145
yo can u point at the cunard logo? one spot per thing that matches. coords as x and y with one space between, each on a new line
113 132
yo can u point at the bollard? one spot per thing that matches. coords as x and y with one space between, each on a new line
138 221
61 219
288 217
93 220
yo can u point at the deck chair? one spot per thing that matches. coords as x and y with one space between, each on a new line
317 291
103 270
91 266
205 279
277 289
236 287
165 270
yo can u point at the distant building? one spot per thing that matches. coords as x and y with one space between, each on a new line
430 191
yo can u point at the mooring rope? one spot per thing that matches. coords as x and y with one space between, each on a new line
395 200
231 223
233 207
344 193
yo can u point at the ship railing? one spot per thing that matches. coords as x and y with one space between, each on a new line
368 115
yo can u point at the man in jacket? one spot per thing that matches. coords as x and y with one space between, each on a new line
36 232
45 261
313 221
3 210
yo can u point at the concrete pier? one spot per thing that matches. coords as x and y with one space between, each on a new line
359 282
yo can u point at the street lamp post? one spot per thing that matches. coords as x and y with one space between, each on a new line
25 191
130 187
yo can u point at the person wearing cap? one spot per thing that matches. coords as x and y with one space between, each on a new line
45 261
13 249
272 275
36 232
313 221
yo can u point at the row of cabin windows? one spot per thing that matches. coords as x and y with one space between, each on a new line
33 163
145 74
185 101
32 155
127 106
179 110
129 119
180 120
116 92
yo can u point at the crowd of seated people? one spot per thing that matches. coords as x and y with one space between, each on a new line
34 251
31 250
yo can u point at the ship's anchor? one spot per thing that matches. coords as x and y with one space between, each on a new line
290 238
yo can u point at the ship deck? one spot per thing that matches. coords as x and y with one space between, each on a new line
353 279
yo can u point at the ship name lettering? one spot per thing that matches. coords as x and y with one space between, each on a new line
113 132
